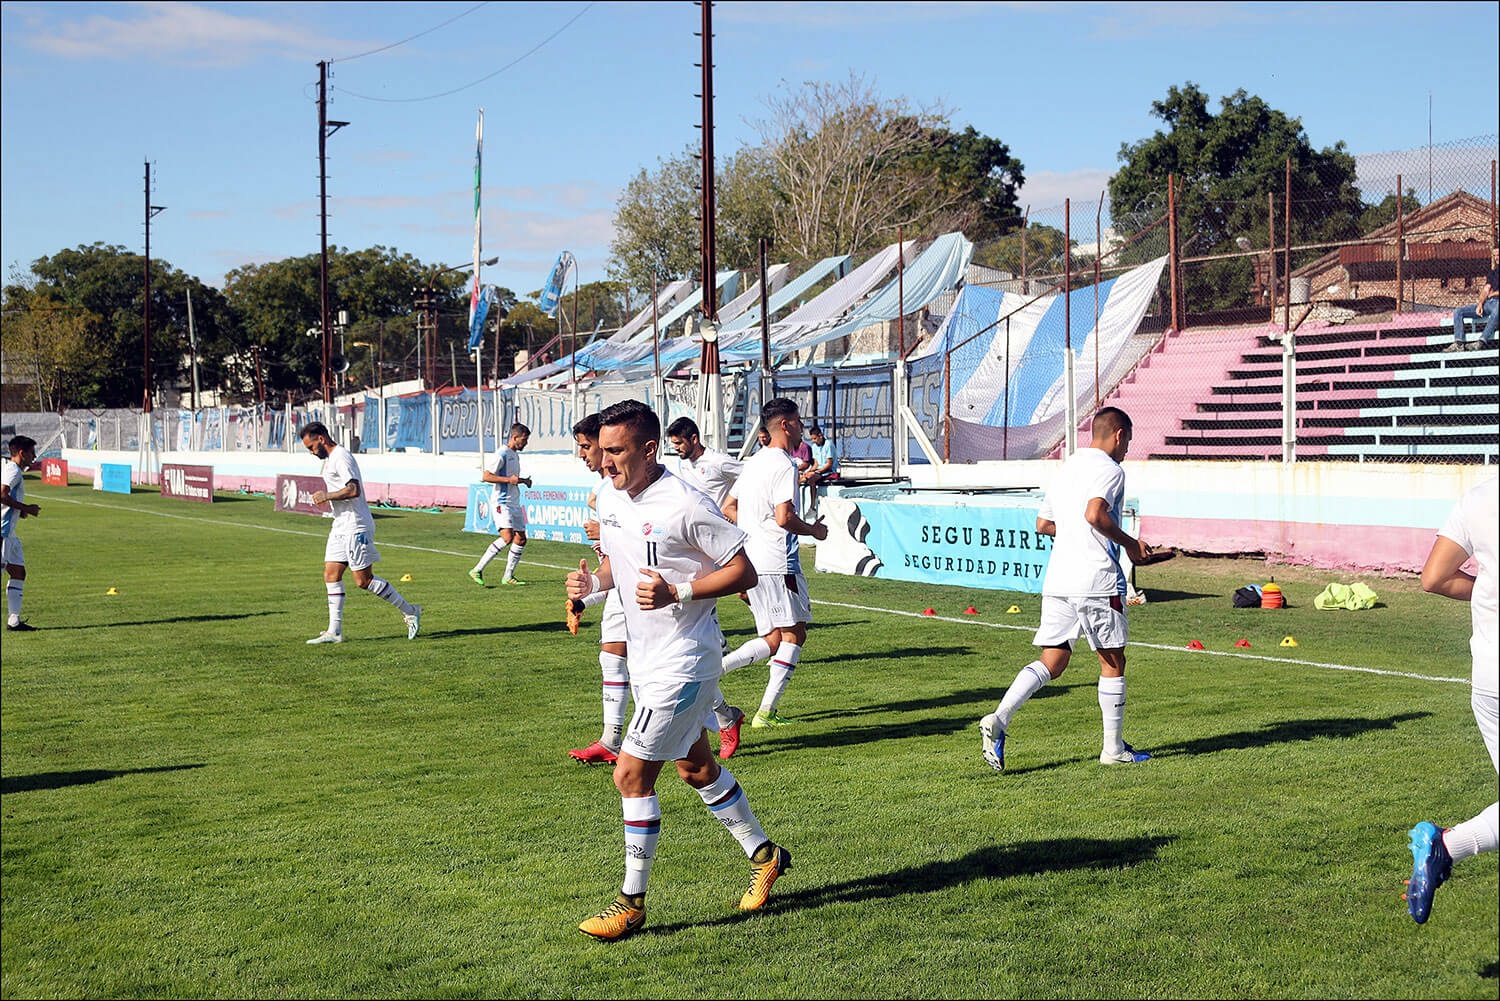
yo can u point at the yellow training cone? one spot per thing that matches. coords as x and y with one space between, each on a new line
405 577
111 591
1289 641
1013 610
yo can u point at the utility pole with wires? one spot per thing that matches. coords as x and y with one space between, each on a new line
326 128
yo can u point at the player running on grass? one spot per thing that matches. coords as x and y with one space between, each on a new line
1084 589
671 553
764 502
613 662
1471 531
351 539
510 516
13 508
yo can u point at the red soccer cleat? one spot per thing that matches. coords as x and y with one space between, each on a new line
729 736
595 754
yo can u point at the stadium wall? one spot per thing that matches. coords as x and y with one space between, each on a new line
1378 517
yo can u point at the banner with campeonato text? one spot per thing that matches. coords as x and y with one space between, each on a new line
294 494
55 472
554 513
967 546
112 477
194 483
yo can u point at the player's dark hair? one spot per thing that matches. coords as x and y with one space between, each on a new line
1108 421
588 427
815 429
519 429
641 419
314 429
777 408
20 443
684 428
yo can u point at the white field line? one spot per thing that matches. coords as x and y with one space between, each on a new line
831 604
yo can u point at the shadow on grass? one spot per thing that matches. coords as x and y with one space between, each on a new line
1029 858
888 655
981 698
548 626
1285 732
854 735
1490 971
1158 596
61 780
161 622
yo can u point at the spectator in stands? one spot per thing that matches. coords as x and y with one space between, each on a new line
823 468
1487 309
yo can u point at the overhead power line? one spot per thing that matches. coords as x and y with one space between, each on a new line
413 38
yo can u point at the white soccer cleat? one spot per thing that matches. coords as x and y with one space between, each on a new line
1128 756
326 637
992 742
413 622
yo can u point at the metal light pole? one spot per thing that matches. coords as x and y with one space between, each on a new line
427 318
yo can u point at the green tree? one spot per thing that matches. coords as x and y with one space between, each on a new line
47 341
1044 246
1226 164
1376 216
975 175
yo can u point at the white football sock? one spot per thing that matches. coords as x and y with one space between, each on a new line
335 606
382 589
727 802
13 588
1028 682
747 654
616 695
642 830
782 666
491 551
1478 834
595 598
723 712
513 559
1112 708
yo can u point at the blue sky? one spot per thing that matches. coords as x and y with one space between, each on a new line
579 97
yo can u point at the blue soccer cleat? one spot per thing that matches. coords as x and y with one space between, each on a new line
1129 756
1430 866
992 742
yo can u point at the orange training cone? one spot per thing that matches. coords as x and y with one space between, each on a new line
971 610
1242 644
928 611
1195 645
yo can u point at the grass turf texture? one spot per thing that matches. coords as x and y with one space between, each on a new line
197 804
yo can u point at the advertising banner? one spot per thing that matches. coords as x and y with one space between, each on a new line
553 513
112 477
55 472
294 493
194 483
980 546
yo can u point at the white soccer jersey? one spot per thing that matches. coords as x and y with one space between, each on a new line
1083 562
352 514
768 480
673 528
12 478
507 463
1475 525
712 472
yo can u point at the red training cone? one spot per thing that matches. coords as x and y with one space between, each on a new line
1242 643
1195 645
928 611
971 610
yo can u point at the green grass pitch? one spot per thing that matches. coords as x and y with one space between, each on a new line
196 803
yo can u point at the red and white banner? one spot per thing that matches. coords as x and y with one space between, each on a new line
55 472
294 493
194 483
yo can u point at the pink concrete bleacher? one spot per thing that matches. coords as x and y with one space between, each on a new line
1364 391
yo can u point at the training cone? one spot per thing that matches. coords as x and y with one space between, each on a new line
1242 644
405 578
1195 645
928 611
111 591
1289 641
971 610
1013 610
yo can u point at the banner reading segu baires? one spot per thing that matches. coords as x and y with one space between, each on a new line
995 547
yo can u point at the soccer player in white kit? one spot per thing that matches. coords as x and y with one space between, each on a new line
510 516
715 474
614 665
1472 531
671 552
1084 588
13 508
765 502
351 540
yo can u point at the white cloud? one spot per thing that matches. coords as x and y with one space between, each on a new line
181 32
1045 190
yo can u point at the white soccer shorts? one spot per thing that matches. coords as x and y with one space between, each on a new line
512 516
12 555
356 549
1487 715
669 717
780 601
612 624
1100 620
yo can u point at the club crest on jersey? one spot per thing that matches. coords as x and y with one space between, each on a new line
646 529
